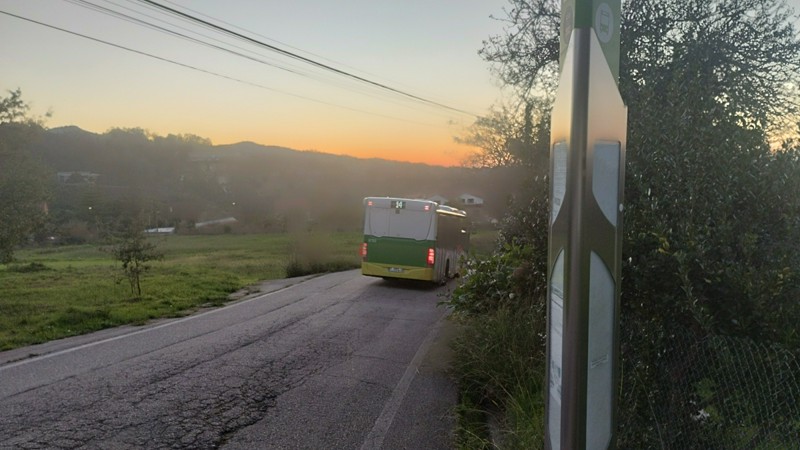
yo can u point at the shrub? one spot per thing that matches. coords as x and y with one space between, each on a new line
711 247
515 274
134 252
492 283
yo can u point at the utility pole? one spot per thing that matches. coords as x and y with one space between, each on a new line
587 173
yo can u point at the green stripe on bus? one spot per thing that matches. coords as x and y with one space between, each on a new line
402 251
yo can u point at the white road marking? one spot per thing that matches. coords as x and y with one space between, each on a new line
380 429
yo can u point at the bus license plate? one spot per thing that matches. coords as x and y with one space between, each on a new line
395 270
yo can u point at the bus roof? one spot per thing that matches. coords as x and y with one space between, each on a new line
413 204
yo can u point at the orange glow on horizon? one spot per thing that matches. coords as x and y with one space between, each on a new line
436 149
452 155
166 86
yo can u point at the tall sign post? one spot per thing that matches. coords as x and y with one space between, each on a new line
587 160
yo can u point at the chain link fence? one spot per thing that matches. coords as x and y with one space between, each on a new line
716 393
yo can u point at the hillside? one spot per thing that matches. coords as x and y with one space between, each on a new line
182 180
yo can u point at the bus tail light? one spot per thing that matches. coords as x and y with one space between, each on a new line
363 249
431 256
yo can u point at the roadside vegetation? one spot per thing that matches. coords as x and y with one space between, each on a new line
499 357
711 246
56 291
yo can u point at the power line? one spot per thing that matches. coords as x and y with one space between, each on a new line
218 20
189 66
172 32
144 23
302 58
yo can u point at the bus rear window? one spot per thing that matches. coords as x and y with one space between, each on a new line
404 223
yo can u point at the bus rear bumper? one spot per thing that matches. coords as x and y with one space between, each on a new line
396 271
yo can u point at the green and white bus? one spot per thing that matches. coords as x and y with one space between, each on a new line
412 239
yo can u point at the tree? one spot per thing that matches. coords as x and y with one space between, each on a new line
134 252
525 59
745 53
525 56
706 83
508 137
23 180
712 207
492 134
12 108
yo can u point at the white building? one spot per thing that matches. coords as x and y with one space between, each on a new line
469 200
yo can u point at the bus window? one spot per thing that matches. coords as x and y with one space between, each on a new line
412 224
376 222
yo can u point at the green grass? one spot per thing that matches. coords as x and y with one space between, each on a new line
54 292
499 365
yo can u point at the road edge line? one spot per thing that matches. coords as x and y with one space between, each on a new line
380 428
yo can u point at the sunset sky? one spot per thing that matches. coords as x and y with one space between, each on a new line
421 47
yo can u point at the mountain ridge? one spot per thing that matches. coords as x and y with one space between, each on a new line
242 147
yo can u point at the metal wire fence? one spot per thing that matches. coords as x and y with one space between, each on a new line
716 393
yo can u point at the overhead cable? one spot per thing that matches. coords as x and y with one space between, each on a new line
302 58
189 66
144 23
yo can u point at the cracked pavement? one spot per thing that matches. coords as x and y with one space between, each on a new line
318 364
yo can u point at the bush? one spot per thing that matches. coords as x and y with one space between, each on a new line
718 256
492 283
515 274
499 359
711 248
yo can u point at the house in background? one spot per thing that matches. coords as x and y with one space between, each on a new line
469 200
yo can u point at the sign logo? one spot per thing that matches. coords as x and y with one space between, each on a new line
604 23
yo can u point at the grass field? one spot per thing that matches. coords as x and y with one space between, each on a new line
60 291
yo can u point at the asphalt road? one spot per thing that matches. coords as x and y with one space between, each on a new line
339 361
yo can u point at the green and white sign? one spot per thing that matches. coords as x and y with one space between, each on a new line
603 16
588 129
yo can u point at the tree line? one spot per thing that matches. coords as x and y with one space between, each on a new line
712 195
108 181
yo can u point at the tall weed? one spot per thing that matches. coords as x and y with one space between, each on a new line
499 365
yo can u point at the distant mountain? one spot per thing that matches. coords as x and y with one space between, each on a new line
70 130
245 149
